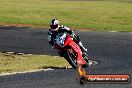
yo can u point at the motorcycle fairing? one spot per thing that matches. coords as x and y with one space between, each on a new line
70 42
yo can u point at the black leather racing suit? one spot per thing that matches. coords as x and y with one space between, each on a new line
61 29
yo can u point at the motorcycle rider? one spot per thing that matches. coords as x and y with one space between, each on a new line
57 28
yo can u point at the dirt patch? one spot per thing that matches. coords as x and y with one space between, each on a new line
17 25
83 29
37 26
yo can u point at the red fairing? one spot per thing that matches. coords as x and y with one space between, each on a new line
67 40
77 49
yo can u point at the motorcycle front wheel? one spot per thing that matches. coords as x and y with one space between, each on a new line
71 57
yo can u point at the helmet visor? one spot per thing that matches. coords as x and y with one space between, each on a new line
53 26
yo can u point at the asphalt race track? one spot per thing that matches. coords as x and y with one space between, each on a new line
113 51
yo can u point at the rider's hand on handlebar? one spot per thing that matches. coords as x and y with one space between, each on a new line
73 35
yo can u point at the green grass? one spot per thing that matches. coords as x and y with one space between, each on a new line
17 63
99 15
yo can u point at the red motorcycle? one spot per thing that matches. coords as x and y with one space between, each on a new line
70 50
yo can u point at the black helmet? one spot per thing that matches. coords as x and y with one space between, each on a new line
54 23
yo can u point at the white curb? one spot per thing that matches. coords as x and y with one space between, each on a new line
32 71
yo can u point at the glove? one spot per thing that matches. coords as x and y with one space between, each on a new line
73 35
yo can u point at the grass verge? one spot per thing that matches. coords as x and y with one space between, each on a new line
16 63
98 15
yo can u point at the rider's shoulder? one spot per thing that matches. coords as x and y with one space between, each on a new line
49 31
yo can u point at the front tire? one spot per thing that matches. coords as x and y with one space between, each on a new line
71 58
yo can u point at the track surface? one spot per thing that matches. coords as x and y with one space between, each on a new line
112 50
